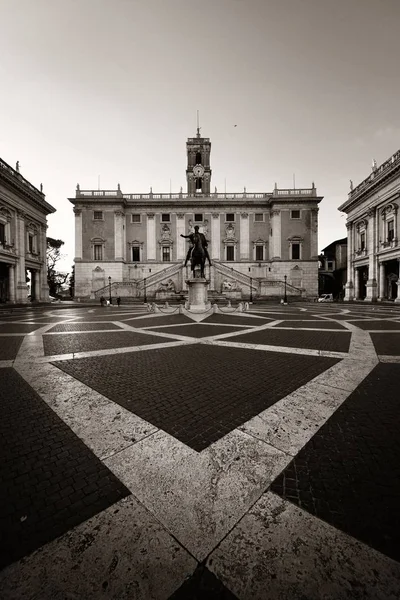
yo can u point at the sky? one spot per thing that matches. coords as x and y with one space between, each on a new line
109 90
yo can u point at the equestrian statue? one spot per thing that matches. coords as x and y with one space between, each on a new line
198 252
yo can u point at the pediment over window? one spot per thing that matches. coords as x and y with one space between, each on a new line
295 238
135 243
5 213
98 270
98 240
391 208
259 241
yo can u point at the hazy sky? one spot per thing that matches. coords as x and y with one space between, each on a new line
111 88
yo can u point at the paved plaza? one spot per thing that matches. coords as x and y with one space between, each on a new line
156 456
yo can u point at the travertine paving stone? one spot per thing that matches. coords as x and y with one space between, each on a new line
197 393
377 324
50 481
236 319
348 474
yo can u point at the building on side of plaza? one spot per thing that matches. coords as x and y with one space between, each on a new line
332 273
131 244
23 212
373 234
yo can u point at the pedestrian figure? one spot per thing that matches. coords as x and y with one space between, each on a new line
118 300
102 300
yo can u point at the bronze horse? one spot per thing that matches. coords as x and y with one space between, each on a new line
198 256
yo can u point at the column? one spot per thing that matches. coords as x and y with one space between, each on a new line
151 237
371 283
119 222
349 288
314 233
21 292
244 236
11 283
215 236
180 242
78 233
397 300
36 275
44 289
276 233
356 284
381 281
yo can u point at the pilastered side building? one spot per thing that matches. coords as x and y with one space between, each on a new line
23 212
373 251
130 244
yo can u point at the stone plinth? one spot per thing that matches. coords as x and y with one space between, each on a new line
197 288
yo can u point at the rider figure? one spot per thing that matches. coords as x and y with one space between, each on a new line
204 243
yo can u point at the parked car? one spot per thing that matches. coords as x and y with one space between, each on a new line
326 298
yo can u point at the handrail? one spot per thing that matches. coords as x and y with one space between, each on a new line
234 274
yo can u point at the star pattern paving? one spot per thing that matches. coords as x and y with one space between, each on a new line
199 431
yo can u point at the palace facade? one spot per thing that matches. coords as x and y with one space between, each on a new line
23 212
373 230
130 245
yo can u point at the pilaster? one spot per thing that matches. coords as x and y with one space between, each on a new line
119 222
244 236
276 233
78 233
349 288
151 237
215 236
371 283
180 242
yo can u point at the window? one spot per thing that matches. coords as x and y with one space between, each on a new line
295 251
390 230
136 219
362 240
166 254
295 214
230 253
330 265
259 217
98 252
230 217
198 217
136 253
259 252
31 247
198 158
2 233
165 217
98 215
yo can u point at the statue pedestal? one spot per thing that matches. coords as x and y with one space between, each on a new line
197 294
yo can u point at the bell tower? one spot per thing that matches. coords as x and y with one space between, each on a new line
198 171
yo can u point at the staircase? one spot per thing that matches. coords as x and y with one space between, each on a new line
242 278
157 278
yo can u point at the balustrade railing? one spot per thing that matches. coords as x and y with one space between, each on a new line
377 174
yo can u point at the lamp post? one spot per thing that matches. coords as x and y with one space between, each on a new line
285 296
109 289
145 294
251 289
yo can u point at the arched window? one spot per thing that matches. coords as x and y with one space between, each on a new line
198 158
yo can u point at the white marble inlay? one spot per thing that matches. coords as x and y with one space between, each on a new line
120 554
281 549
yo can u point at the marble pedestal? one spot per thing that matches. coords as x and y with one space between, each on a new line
197 288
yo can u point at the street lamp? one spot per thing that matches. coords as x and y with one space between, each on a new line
145 294
285 296
251 289
109 289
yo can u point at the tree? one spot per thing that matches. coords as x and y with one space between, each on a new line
55 279
72 282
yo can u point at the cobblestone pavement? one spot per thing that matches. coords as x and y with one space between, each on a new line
225 455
